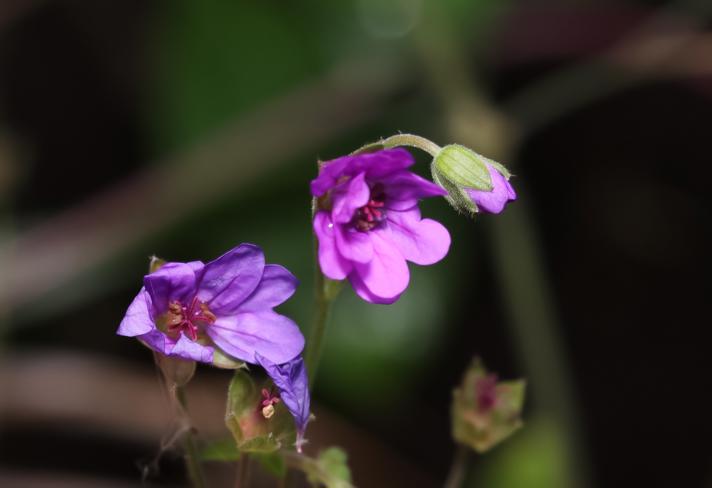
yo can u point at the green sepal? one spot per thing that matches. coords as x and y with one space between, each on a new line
463 167
329 469
155 263
222 360
253 432
456 197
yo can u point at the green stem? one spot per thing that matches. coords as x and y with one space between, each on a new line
192 460
458 468
411 140
318 329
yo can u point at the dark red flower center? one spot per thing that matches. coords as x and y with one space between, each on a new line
486 393
187 319
373 213
269 399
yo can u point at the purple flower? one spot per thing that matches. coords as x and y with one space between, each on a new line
368 223
494 200
293 385
186 309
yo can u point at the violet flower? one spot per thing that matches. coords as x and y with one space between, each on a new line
368 222
494 200
293 385
186 310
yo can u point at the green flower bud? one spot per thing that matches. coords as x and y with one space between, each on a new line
485 411
474 183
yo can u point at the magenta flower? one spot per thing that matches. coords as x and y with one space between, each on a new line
368 222
494 200
188 309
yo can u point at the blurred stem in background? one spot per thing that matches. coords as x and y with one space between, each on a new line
472 119
192 457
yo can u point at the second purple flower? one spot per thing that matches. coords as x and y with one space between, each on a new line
368 222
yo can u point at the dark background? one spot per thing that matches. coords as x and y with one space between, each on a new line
182 128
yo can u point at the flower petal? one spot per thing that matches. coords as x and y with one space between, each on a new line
187 349
405 188
493 201
137 320
172 281
362 290
227 281
386 276
293 384
353 245
348 198
422 241
376 164
267 333
276 286
332 264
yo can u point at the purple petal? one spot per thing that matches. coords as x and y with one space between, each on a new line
188 349
404 187
386 276
422 241
348 198
376 165
276 286
173 281
353 245
137 320
268 333
227 281
493 201
362 290
293 384
332 264
158 341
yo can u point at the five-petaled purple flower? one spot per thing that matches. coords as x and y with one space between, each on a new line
368 222
188 309
494 200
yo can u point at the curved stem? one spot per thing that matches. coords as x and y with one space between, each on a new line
192 460
411 140
458 468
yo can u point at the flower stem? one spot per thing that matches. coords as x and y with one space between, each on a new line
243 471
318 330
411 140
458 468
192 461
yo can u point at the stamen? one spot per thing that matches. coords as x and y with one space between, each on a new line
369 216
187 319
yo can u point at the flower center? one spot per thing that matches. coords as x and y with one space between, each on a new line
269 399
186 319
373 213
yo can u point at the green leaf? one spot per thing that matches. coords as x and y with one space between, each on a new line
333 462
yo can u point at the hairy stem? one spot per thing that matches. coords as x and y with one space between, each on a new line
458 468
192 460
411 140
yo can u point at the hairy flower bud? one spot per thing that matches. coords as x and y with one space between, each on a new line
474 183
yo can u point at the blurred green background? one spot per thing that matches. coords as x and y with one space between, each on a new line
181 128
